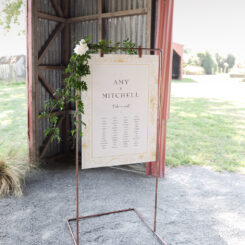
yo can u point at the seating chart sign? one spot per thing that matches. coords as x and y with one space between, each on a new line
120 110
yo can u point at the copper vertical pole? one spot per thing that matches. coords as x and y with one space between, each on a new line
77 178
155 213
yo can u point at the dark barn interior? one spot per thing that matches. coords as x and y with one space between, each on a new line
176 66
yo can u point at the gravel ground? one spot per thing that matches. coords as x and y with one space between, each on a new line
197 206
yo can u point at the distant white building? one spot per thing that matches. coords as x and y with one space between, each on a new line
13 68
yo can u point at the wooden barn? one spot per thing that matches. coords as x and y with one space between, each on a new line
52 28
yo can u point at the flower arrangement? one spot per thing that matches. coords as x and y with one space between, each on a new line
81 48
74 83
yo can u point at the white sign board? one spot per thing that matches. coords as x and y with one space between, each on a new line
120 110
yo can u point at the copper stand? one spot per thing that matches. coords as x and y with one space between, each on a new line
76 239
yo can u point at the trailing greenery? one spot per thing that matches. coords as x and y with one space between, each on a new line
77 69
11 13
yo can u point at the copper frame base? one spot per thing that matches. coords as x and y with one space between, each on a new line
113 212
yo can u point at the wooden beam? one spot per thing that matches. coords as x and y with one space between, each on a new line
109 15
163 41
57 8
35 72
47 140
83 18
100 20
125 13
50 41
32 81
51 67
47 86
51 17
130 12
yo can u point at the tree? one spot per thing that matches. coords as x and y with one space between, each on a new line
207 62
225 64
220 62
11 13
230 60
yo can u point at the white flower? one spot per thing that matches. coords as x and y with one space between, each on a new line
82 42
81 48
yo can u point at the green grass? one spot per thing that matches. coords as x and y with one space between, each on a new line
200 131
184 80
206 132
13 120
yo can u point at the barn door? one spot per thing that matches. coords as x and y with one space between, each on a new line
52 28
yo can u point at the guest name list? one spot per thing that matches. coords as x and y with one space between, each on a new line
120 105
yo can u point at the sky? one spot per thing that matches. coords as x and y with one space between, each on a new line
214 25
11 43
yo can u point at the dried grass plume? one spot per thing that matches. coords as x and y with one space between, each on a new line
12 177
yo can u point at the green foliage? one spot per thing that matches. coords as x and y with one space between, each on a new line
224 64
220 62
206 62
77 69
129 45
104 46
187 51
230 60
11 13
